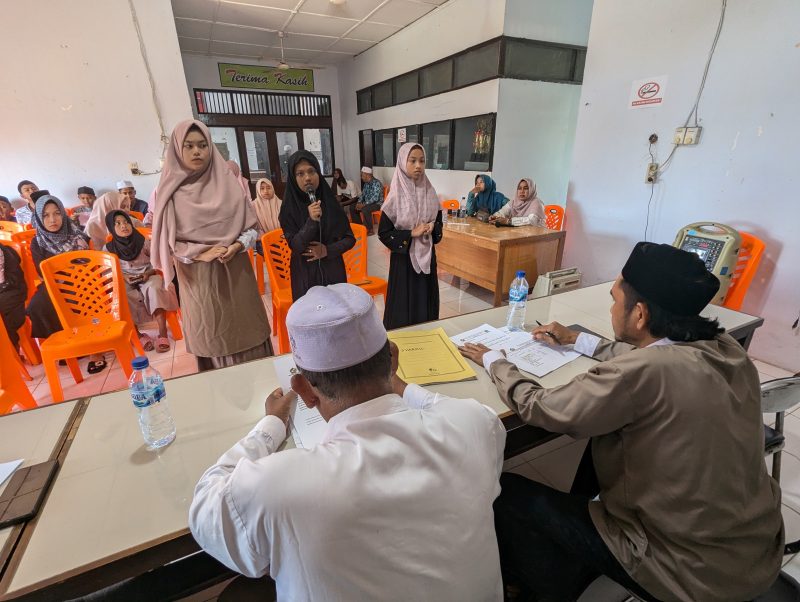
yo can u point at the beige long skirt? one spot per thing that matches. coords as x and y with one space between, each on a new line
223 315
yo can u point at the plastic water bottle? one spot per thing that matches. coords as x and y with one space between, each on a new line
150 398
517 295
462 210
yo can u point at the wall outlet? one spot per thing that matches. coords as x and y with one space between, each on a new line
680 134
134 168
692 135
652 173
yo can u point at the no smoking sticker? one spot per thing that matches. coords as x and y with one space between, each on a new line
647 92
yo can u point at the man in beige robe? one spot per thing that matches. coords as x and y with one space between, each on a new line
686 510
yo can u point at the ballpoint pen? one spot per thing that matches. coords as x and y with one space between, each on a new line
550 334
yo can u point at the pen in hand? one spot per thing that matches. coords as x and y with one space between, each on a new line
550 334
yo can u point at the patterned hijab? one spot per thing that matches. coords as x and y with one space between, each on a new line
68 238
411 203
530 205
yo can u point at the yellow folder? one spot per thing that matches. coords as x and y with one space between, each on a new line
429 357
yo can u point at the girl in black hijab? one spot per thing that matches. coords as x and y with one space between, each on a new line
317 232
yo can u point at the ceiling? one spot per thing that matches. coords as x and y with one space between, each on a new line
316 31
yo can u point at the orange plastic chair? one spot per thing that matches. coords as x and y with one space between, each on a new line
9 228
138 215
87 291
278 257
385 192
451 204
355 263
26 342
172 317
258 268
23 245
750 253
13 391
376 217
554 216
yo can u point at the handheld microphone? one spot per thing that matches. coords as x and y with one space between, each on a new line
312 197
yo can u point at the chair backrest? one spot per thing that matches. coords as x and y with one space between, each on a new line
750 253
385 192
13 391
24 237
450 204
355 259
780 395
7 229
85 288
138 215
22 240
554 216
278 257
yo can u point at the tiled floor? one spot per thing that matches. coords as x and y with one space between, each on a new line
554 463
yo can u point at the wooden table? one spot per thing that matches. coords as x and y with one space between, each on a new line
490 256
116 510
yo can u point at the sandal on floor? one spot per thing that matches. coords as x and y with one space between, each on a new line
147 342
96 366
162 344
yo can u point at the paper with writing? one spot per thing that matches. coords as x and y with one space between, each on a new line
308 426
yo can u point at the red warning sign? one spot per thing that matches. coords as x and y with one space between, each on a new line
647 92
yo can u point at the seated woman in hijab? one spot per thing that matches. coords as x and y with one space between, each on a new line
484 197
55 234
410 226
96 227
318 232
202 228
526 209
13 292
6 210
267 206
148 299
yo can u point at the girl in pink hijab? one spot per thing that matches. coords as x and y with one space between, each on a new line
202 228
411 224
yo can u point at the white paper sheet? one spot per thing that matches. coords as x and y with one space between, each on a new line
8 468
527 354
308 426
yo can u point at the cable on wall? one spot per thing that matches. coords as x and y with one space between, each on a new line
143 51
694 110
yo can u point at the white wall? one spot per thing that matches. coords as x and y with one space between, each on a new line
534 136
202 72
76 108
564 21
743 172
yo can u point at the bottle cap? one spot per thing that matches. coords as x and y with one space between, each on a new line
521 274
140 363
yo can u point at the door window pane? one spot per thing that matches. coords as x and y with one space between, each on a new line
287 145
477 65
384 148
255 144
473 140
436 78
525 60
318 142
406 87
382 95
225 141
436 142
580 63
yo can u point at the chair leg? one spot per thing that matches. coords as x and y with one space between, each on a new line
53 379
260 274
23 370
28 345
75 369
174 326
137 344
125 357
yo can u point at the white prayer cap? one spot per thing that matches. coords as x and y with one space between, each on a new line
334 327
124 184
366 169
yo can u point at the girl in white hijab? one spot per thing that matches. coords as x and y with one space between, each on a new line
411 224
526 205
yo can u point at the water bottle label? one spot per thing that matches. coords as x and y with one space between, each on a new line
516 295
147 397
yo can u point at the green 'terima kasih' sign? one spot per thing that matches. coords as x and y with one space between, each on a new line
265 77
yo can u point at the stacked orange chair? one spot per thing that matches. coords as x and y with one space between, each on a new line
355 263
88 293
13 391
138 215
451 204
554 216
750 253
7 229
278 257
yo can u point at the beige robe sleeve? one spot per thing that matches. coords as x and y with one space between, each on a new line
595 403
607 350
